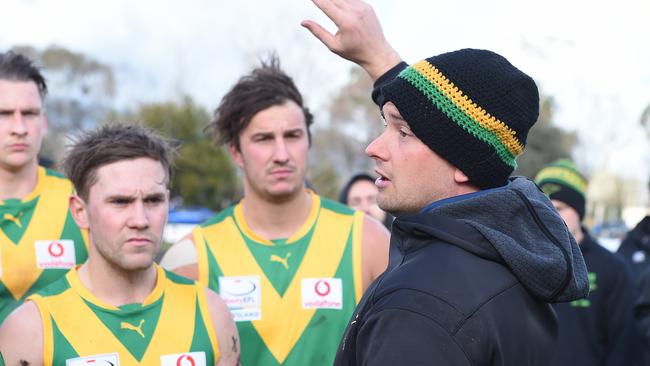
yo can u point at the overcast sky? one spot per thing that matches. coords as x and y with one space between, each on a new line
592 57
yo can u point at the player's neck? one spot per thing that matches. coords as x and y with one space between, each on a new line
114 286
18 183
276 219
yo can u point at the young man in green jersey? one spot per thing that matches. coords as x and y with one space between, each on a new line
120 307
291 265
39 240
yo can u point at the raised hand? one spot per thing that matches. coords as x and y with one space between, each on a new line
359 38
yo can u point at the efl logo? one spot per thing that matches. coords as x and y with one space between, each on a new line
184 359
243 295
55 254
322 293
111 359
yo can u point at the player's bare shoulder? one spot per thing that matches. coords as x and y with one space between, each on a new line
21 336
374 250
224 325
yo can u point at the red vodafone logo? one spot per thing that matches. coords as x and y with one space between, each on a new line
105 362
55 249
190 361
322 288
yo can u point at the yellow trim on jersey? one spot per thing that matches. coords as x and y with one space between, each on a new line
207 319
48 335
69 307
304 229
321 260
357 259
19 270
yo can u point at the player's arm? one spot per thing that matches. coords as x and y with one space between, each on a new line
374 250
181 258
21 337
224 326
359 37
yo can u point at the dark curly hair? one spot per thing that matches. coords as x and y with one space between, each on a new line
266 86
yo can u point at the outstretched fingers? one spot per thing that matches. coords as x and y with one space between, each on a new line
321 33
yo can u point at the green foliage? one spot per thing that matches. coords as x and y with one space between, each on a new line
545 143
203 174
323 180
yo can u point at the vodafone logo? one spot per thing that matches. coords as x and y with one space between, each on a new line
99 362
322 293
322 288
185 360
55 249
55 254
111 359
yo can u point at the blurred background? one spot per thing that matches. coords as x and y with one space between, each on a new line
167 63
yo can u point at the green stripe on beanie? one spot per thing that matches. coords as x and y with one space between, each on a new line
471 107
456 114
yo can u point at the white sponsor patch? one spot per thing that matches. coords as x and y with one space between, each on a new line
55 254
111 359
243 295
183 359
322 293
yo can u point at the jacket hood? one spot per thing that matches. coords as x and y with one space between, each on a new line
516 226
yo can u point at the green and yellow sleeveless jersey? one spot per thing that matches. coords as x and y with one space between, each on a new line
291 299
171 327
39 240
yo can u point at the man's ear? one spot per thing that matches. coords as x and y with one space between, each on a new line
78 211
235 154
460 177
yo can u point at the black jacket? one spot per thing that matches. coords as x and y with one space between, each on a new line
599 330
635 249
468 284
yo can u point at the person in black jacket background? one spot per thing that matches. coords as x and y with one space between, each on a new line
475 257
598 330
360 193
635 249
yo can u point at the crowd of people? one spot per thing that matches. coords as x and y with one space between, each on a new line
439 257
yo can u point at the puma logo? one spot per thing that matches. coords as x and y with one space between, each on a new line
14 219
283 261
138 329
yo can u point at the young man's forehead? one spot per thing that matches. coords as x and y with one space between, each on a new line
11 90
139 169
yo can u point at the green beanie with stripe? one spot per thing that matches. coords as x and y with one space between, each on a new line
561 181
471 107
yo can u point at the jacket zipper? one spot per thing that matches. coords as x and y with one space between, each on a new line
553 239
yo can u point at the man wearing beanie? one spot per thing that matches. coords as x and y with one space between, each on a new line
598 330
476 258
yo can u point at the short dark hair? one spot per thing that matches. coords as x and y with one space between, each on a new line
16 67
109 144
264 87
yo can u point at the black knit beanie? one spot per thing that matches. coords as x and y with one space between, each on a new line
561 181
471 107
